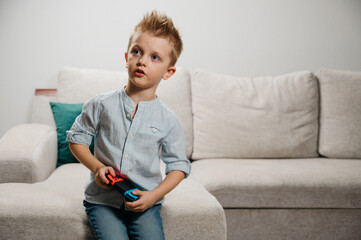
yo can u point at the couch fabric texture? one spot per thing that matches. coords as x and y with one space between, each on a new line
340 116
265 117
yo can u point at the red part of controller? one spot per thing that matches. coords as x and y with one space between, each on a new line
114 179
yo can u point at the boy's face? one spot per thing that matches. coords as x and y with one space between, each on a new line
148 60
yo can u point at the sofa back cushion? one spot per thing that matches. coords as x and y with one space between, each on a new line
77 85
264 117
340 113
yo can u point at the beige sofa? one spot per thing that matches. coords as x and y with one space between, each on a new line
273 158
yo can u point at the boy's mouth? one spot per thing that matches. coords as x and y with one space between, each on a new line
139 72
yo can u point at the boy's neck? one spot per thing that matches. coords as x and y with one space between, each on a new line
139 95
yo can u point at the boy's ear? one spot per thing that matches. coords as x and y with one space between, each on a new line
126 59
169 73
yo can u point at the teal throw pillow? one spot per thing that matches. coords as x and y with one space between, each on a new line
64 116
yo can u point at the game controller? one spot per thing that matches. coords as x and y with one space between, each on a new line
123 186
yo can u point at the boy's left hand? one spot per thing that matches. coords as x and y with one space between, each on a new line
146 199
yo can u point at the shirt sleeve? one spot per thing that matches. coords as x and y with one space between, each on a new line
86 124
174 150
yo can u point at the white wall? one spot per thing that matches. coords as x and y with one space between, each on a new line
243 38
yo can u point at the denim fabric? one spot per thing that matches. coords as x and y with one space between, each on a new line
130 146
109 223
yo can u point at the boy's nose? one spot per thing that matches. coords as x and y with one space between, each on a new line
141 61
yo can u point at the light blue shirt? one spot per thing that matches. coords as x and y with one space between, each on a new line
132 146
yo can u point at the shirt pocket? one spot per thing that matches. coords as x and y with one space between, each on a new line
149 137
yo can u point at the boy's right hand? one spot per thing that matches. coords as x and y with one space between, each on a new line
100 177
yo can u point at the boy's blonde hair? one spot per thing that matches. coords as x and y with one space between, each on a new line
160 26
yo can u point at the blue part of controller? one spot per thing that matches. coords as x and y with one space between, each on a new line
130 196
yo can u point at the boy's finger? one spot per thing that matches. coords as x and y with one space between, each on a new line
128 204
134 206
104 179
112 171
137 192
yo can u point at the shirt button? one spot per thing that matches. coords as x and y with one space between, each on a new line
128 115
126 155
133 105
155 130
131 135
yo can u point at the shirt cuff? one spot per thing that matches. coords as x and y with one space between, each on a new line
78 137
184 166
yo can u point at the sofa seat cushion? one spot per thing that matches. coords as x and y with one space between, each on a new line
282 183
296 224
46 210
53 209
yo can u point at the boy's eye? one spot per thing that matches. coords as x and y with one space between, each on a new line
155 57
136 51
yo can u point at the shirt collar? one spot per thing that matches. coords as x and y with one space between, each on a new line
132 104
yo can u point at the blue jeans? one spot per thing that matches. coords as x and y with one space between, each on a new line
111 223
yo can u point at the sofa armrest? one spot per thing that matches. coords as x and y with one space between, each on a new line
28 153
191 212
194 212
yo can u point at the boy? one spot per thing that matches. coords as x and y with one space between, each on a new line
130 126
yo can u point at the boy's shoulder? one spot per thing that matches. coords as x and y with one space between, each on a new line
168 114
109 94
106 96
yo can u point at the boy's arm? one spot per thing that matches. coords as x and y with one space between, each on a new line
80 136
177 168
148 198
172 179
83 155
